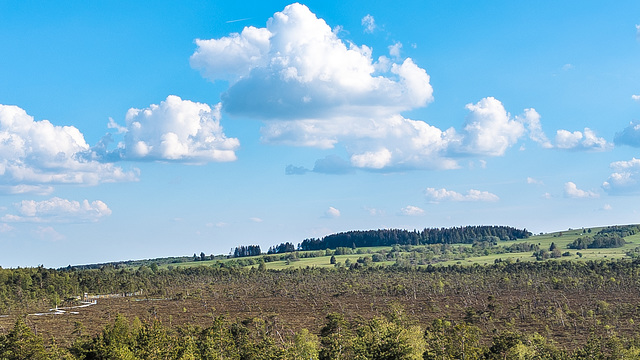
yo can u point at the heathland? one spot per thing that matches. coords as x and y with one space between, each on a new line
495 292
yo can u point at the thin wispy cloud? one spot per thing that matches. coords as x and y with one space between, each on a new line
533 181
332 213
440 195
236 20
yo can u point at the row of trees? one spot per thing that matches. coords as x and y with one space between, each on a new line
390 337
282 248
389 237
243 251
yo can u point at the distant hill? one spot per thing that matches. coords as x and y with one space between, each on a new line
389 237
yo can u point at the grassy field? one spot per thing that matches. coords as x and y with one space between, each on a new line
561 239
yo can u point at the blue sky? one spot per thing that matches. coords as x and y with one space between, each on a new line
129 131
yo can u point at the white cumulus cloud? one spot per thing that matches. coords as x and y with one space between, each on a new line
577 140
176 130
242 52
489 130
303 70
372 159
531 119
625 177
34 155
312 88
438 195
411 210
571 190
58 210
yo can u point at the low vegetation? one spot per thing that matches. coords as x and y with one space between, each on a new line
485 299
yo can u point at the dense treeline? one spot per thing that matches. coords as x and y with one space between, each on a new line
244 251
599 241
389 237
609 237
282 248
393 336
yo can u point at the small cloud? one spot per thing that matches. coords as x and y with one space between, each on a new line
372 159
411 210
332 212
48 233
295 170
635 97
571 190
629 135
625 177
567 67
394 50
26 189
59 211
332 164
531 119
113 125
369 23
547 196
531 180
374 211
577 140
437 195
4 228
221 224
607 207
638 32
256 219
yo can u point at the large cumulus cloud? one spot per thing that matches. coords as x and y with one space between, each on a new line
175 130
37 154
298 68
312 88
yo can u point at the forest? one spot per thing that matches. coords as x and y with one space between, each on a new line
388 237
